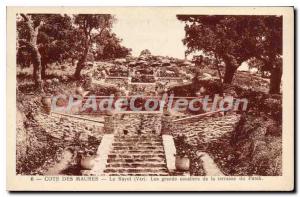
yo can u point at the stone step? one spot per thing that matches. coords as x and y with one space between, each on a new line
142 140
135 165
135 156
135 170
137 152
137 137
138 141
138 174
140 148
137 144
136 160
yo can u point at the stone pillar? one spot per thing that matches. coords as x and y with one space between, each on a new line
166 125
88 82
170 152
108 125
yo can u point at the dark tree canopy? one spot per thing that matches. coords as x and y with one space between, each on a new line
53 39
145 52
233 39
109 47
90 27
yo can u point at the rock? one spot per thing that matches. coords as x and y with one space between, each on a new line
207 76
48 81
120 61
83 136
65 78
55 81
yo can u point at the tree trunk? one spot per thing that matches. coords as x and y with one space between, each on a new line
217 65
80 66
275 80
43 69
81 62
229 73
35 54
37 69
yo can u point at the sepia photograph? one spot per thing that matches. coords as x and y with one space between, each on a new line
145 95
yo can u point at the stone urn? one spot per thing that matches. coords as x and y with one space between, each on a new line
61 102
79 91
202 90
46 101
108 112
182 163
88 162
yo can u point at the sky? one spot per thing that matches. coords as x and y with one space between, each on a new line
161 33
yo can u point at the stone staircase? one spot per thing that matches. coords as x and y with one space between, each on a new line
137 155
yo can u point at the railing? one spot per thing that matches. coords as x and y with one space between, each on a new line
76 117
170 78
198 116
116 77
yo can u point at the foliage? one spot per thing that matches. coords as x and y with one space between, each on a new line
145 52
87 25
232 40
189 90
109 47
53 39
61 37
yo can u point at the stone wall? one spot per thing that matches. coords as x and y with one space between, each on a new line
119 81
108 124
169 79
68 128
40 141
146 89
206 129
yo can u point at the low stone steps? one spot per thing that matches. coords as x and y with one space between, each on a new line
137 152
137 170
132 140
126 144
136 155
139 174
137 160
135 165
117 148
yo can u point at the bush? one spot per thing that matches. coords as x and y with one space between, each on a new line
257 146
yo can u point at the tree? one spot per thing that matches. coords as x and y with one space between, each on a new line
87 25
145 52
31 45
53 40
109 47
229 39
269 50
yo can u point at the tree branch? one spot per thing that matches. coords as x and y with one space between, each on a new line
100 33
25 17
